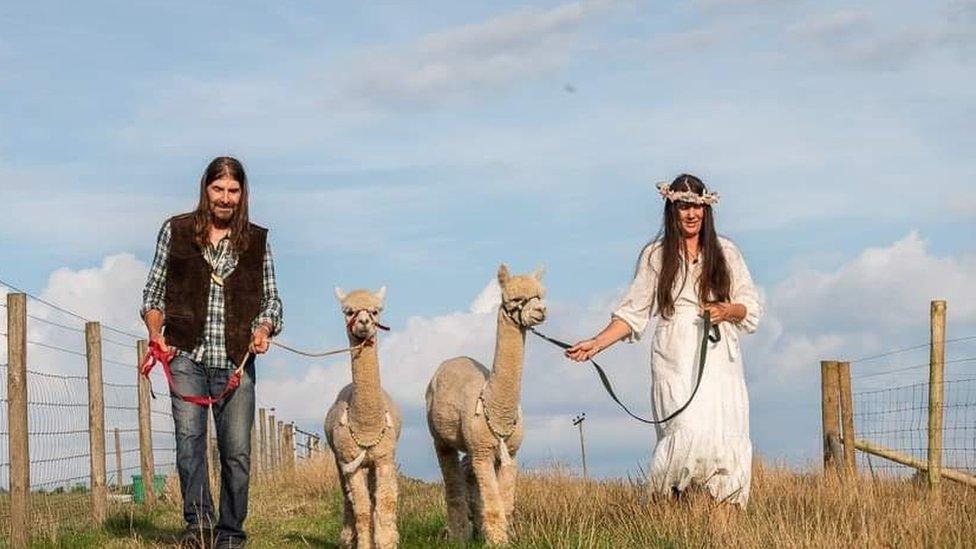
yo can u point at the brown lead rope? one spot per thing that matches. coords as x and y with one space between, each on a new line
365 343
318 355
706 337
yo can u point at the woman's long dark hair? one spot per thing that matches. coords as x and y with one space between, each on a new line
221 167
715 283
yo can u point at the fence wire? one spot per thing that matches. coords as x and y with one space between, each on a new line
891 406
59 445
59 436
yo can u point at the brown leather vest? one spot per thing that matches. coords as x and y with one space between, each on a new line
188 286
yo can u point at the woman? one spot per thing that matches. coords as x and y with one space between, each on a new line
687 270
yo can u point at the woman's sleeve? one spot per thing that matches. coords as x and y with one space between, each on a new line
744 291
638 305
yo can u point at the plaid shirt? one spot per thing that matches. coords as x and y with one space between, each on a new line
211 351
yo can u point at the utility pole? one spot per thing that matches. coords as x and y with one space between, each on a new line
578 421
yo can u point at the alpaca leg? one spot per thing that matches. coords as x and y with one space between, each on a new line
347 538
455 495
493 510
385 511
506 487
361 507
474 499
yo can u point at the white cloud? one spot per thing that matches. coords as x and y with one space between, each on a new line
888 287
963 204
876 302
488 300
839 23
110 294
481 56
716 4
874 40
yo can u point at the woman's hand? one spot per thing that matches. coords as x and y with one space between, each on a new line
583 350
724 312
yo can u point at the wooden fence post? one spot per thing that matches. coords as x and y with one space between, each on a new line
847 416
17 443
147 464
290 447
118 461
272 444
308 446
280 443
937 314
829 402
263 439
255 467
96 421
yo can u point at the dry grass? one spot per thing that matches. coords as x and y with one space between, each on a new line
556 509
786 510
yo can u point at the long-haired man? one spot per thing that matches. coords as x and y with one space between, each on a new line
211 299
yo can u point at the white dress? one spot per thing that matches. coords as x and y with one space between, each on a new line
708 444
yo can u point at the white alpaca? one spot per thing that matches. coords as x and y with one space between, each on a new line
476 412
362 427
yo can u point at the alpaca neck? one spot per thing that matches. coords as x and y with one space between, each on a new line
502 395
366 408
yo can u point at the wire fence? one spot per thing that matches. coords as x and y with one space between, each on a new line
59 435
58 432
891 408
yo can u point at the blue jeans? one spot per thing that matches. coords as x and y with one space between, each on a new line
233 418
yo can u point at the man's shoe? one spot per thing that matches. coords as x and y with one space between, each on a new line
197 536
230 542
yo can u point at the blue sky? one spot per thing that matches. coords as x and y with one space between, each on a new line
418 147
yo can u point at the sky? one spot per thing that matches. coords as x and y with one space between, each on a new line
419 147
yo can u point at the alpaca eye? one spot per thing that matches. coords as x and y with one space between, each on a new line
374 312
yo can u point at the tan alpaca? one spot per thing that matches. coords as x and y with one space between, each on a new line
362 427
476 412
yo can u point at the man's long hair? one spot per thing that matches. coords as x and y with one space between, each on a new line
715 283
221 167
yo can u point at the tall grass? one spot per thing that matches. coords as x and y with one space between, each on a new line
557 509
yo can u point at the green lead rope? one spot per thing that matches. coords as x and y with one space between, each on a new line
706 337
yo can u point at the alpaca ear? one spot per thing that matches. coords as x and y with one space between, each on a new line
502 274
537 274
340 295
381 293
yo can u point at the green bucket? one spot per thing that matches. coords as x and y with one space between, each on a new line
139 491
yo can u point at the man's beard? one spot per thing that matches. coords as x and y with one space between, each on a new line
222 217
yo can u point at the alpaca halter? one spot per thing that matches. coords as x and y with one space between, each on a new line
353 315
515 313
706 199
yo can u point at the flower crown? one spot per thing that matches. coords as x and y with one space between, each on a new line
706 199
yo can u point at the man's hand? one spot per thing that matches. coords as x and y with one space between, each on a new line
260 340
160 340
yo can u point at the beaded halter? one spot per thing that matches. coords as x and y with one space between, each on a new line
707 198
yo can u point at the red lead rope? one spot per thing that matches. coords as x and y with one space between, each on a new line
159 355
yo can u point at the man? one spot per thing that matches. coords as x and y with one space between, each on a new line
212 287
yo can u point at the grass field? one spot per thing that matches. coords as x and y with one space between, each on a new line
787 509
